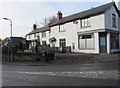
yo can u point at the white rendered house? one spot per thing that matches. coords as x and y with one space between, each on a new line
39 35
96 30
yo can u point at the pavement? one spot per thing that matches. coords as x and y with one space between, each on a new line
70 58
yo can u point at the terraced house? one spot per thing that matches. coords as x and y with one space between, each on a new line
96 30
39 35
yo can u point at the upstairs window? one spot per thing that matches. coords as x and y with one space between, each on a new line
61 28
113 20
43 34
85 23
34 36
28 36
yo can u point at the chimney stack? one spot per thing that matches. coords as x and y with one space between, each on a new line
34 26
59 15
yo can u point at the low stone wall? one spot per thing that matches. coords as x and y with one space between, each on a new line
28 57
5 50
47 49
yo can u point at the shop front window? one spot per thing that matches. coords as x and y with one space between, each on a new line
114 40
86 41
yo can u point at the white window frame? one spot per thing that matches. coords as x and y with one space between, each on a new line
62 42
85 23
61 28
43 34
86 47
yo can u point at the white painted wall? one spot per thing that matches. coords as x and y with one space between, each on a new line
108 24
108 42
108 19
32 37
45 38
97 22
71 33
101 21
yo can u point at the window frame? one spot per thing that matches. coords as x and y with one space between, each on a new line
61 28
62 41
114 40
114 23
44 42
86 42
85 22
43 34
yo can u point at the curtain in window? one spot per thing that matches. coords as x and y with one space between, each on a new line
86 41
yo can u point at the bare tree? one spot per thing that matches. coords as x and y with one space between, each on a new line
48 21
44 21
36 23
52 20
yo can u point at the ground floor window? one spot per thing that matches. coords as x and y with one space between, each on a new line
114 39
86 41
44 43
62 42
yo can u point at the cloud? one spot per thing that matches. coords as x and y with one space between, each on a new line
23 16
57 0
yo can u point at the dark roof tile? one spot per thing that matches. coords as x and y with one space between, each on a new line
42 29
87 13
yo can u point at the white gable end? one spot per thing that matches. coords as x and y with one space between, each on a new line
108 19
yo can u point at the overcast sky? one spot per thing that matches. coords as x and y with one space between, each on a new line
25 14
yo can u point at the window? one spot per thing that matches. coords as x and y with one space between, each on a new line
113 20
85 22
61 28
28 36
86 41
82 42
34 36
33 43
43 34
44 43
62 42
114 41
37 35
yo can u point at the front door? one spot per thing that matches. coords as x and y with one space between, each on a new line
103 42
62 44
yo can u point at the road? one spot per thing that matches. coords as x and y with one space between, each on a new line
92 74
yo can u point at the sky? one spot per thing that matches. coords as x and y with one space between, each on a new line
26 13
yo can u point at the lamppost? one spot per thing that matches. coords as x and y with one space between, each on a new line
11 54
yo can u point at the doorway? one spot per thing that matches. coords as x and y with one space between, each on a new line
103 42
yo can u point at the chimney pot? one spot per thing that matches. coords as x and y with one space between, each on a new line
34 26
59 15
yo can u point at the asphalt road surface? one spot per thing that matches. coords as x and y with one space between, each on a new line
93 74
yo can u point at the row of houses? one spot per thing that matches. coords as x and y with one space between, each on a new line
96 30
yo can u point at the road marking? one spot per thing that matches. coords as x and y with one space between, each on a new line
82 74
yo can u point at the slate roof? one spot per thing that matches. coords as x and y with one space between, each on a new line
84 14
80 15
42 29
17 40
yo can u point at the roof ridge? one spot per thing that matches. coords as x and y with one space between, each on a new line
92 8
88 12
